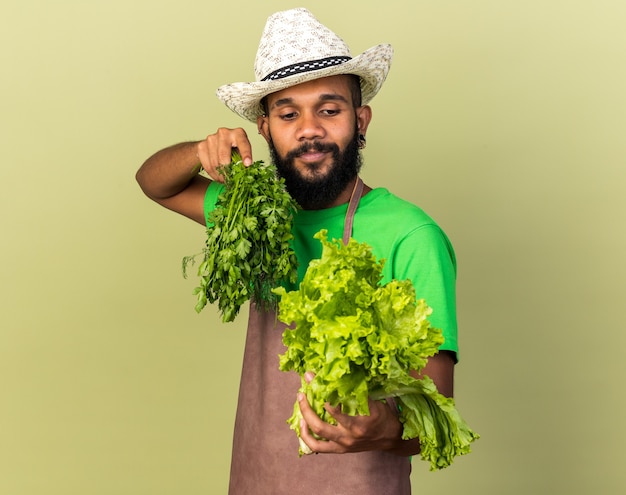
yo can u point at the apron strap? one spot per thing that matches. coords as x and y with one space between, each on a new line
352 206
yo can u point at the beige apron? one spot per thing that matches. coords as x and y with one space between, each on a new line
265 457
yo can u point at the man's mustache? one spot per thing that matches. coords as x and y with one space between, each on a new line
314 146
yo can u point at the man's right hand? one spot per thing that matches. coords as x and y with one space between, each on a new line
216 149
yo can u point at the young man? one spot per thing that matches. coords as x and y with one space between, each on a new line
310 104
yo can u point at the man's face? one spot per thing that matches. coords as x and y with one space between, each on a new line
312 130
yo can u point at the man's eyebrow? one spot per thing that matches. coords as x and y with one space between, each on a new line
333 97
282 102
323 97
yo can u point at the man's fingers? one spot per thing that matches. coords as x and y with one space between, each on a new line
217 148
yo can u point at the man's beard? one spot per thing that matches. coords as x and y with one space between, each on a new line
319 191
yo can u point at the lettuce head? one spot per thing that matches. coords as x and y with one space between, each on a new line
361 339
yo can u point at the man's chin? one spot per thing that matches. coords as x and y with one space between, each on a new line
314 194
312 171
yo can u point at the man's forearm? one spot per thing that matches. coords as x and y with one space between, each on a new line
169 171
406 448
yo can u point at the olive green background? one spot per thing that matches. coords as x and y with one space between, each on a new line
505 120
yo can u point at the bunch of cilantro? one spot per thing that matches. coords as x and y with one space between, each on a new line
248 248
361 339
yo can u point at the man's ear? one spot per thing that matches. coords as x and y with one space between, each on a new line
262 124
363 118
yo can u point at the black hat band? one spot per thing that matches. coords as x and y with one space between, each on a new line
302 67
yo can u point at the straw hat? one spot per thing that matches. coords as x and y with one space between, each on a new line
295 47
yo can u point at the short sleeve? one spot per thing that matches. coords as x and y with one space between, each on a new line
210 198
426 257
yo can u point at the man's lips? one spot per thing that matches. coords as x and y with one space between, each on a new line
312 156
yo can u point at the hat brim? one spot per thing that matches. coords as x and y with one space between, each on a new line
372 67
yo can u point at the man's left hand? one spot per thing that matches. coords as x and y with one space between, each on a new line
381 430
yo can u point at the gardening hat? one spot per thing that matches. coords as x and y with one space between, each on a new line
295 47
